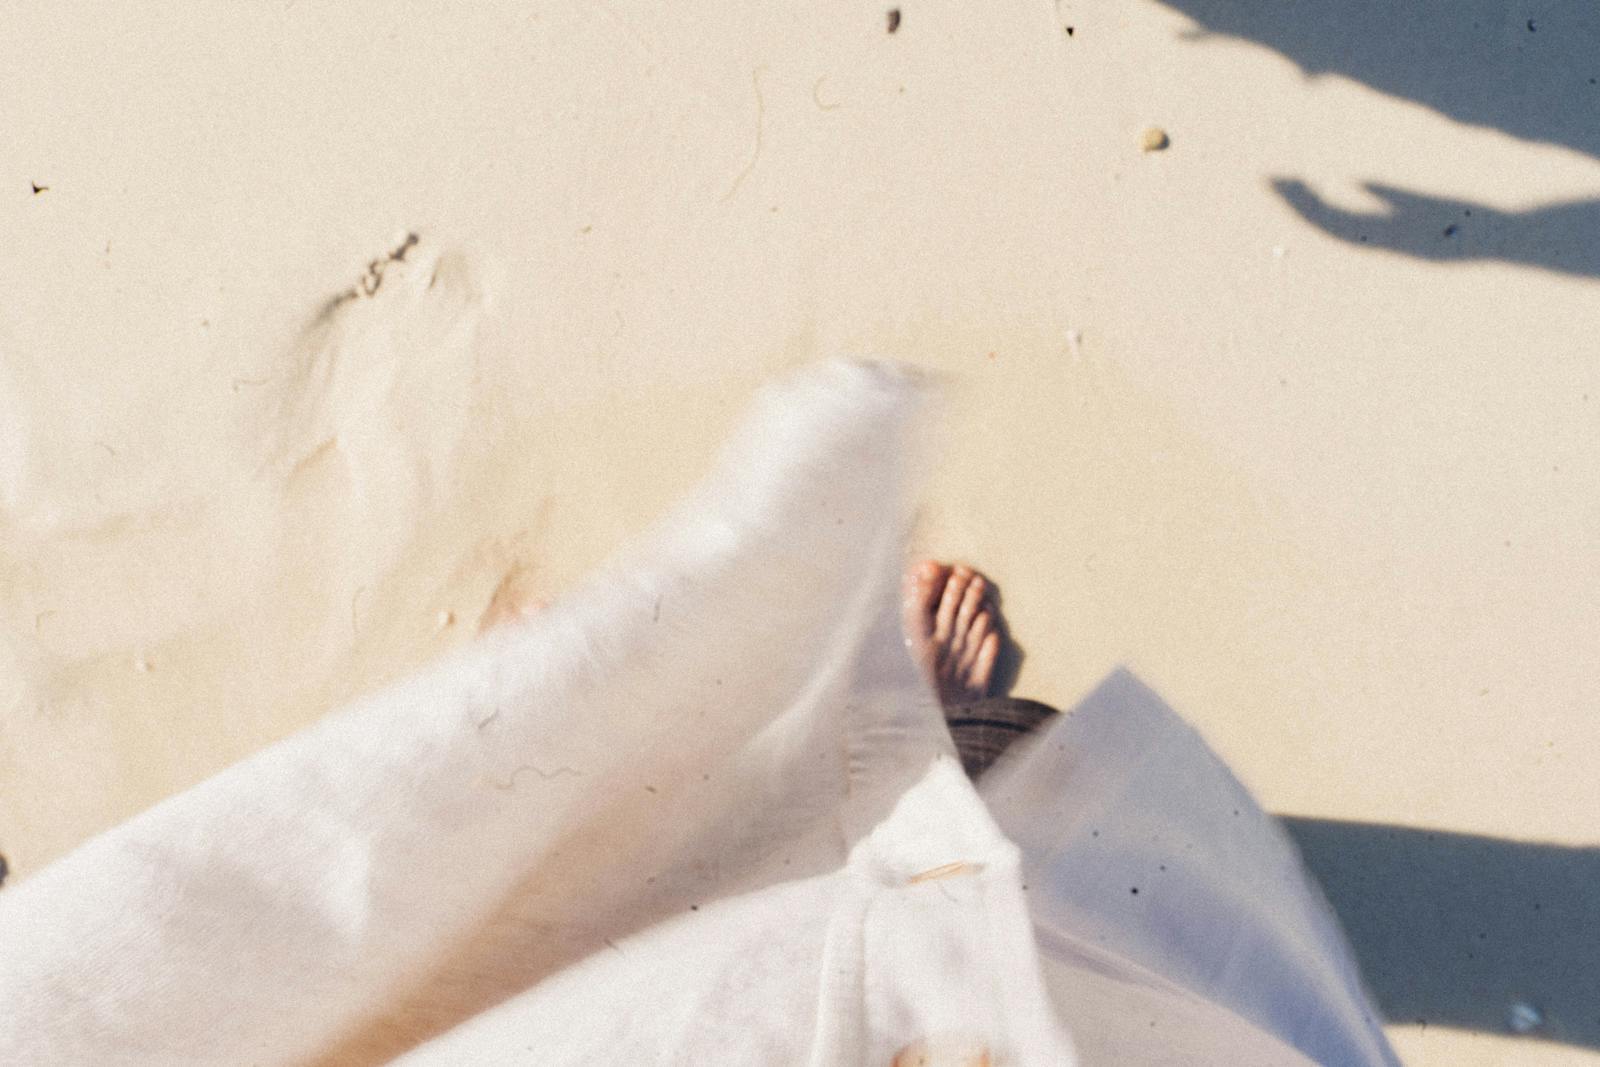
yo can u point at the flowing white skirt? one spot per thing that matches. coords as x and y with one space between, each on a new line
701 811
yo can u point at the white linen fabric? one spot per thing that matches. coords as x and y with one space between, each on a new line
701 811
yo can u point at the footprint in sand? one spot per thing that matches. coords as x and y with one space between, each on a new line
382 375
356 435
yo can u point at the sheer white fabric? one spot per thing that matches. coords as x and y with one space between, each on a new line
702 811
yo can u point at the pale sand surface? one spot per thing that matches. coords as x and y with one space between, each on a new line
1339 505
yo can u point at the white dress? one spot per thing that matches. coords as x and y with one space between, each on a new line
701 811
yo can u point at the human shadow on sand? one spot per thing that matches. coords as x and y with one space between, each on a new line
1562 237
1529 69
1455 929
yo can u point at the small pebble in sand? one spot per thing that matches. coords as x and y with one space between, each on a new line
141 665
1075 343
1154 139
1524 1018
1278 251
446 618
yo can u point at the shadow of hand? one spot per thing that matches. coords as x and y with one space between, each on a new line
1562 237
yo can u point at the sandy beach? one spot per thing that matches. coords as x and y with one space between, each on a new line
325 325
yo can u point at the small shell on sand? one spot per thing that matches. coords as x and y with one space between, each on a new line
1154 139
446 619
141 665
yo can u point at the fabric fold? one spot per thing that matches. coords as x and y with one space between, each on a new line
704 809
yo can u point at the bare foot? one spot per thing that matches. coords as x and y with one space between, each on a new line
956 634
953 629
